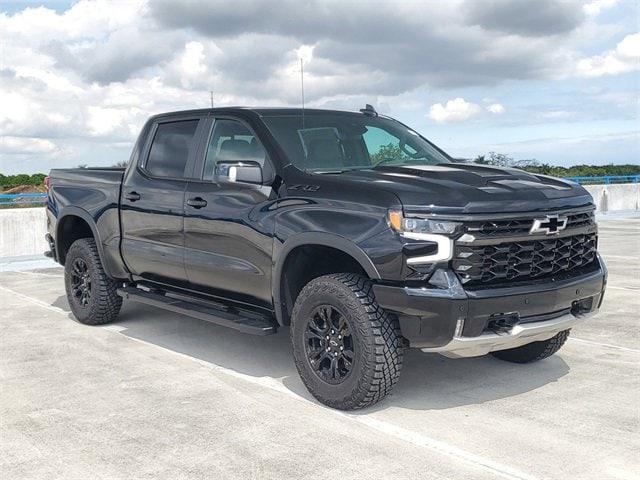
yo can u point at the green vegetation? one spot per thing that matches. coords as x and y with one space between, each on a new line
389 154
12 181
533 166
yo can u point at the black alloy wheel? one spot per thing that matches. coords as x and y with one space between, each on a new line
92 295
81 281
329 344
347 349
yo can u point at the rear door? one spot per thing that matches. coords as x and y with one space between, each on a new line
228 236
152 203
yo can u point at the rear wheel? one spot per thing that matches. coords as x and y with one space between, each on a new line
348 350
91 293
532 352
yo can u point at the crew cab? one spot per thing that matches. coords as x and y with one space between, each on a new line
349 228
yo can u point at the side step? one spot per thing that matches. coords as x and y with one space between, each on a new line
246 322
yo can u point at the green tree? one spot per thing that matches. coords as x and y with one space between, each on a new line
534 166
389 153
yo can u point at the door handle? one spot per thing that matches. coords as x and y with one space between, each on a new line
132 196
197 202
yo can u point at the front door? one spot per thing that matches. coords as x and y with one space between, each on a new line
152 203
228 241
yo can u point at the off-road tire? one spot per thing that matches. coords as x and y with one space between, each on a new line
535 351
378 348
104 303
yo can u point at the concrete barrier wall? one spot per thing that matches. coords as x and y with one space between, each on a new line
611 198
22 231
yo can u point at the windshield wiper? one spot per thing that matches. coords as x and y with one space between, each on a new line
385 161
338 171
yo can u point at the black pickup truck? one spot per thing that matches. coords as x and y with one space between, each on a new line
350 228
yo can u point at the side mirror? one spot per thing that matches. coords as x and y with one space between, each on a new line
240 172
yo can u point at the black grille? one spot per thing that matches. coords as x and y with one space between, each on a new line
515 261
497 228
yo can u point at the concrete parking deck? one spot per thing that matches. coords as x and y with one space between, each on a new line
157 395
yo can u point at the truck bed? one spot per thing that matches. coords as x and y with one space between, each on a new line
92 188
92 174
92 194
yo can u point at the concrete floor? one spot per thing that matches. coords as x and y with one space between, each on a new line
162 396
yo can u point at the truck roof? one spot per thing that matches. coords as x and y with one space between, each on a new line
260 111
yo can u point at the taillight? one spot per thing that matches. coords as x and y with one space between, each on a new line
46 184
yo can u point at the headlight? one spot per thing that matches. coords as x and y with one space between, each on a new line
425 231
401 224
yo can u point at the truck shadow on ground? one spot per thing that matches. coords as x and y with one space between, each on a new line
428 381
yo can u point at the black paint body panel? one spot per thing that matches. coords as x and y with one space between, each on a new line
234 248
428 318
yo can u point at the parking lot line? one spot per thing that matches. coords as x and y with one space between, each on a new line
606 345
35 301
621 257
39 274
391 430
629 289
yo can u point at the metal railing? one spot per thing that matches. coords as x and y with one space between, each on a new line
606 180
22 198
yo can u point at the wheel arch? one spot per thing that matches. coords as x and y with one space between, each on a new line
344 252
66 234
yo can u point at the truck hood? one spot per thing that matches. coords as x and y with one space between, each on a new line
461 188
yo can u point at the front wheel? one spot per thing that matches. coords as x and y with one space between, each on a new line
91 293
532 352
348 350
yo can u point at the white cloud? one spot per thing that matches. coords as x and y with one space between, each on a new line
624 58
86 79
191 63
594 8
456 110
22 145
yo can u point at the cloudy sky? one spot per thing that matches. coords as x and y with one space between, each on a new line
555 80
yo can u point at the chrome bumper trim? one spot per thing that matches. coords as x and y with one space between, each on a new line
519 335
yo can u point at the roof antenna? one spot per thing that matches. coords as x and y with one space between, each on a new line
211 92
302 88
369 111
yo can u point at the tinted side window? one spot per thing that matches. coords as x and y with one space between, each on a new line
170 148
231 141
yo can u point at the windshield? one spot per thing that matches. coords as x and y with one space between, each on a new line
335 143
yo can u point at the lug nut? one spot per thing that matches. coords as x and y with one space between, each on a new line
335 354
340 337
341 348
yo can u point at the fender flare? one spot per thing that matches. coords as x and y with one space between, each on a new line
315 238
72 211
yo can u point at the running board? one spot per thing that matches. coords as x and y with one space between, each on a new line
248 322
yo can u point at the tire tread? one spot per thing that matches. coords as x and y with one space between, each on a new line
385 349
534 351
108 303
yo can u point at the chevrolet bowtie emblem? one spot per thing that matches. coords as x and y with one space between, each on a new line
548 225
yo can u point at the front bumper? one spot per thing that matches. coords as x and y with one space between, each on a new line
458 322
517 336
